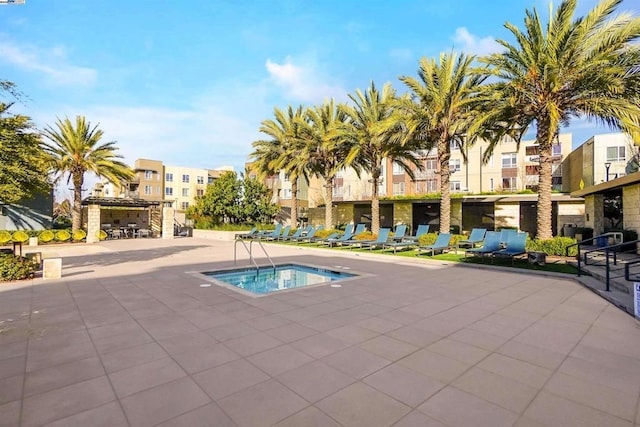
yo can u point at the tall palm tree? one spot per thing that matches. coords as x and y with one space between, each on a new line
582 67
327 147
372 128
284 151
77 150
441 112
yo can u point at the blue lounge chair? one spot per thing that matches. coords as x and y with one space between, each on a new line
299 233
401 230
310 235
285 233
422 229
407 241
360 228
250 235
476 236
505 233
491 244
516 245
441 244
347 231
383 236
273 234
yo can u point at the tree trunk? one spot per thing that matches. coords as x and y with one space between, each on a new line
544 218
375 205
76 216
294 202
444 154
328 209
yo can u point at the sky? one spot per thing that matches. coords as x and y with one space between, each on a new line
188 82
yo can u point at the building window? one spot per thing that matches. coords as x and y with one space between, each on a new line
168 177
210 180
533 170
148 175
168 191
453 145
490 184
397 169
148 189
184 206
431 164
200 180
185 178
556 150
185 192
286 193
286 177
199 192
490 163
509 160
615 154
398 188
432 186
455 186
454 165
531 150
509 184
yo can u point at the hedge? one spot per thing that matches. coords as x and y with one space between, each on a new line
16 268
556 246
430 239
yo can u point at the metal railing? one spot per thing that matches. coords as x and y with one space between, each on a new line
249 250
627 271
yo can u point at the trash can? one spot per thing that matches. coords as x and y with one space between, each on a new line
569 230
601 242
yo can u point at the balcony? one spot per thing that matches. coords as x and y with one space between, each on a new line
424 175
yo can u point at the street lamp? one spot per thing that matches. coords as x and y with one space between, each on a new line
607 165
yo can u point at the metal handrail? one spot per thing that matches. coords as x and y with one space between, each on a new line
248 249
627 276
616 236
263 250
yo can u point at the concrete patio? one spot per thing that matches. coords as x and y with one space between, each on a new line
128 338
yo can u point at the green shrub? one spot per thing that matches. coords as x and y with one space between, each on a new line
16 268
46 236
556 246
62 235
365 235
79 235
5 237
322 234
430 239
20 236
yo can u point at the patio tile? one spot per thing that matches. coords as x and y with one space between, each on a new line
207 318
434 365
484 340
267 322
415 336
280 359
141 377
167 326
404 384
618 377
602 338
618 403
502 391
181 343
120 341
356 362
320 345
418 419
13 349
11 388
207 415
10 414
458 408
262 404
58 349
230 331
229 378
361 405
12 366
518 370
64 402
109 415
544 357
59 376
379 325
389 348
132 356
315 380
310 416
128 326
559 335
550 409
252 344
291 332
161 403
458 350
209 357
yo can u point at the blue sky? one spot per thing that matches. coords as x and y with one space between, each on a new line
189 82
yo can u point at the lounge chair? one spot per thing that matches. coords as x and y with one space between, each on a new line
476 236
407 241
333 236
491 244
338 241
505 233
299 232
383 236
398 235
272 234
441 244
422 229
310 235
516 245
285 233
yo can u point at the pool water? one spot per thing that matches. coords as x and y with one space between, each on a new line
285 276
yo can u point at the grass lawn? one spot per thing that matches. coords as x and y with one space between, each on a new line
557 267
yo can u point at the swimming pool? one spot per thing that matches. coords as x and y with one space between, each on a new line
283 276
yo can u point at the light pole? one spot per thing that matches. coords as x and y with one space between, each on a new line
607 165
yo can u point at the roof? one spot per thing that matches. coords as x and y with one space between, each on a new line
489 198
604 187
115 201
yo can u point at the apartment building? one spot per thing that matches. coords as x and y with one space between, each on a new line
510 168
599 159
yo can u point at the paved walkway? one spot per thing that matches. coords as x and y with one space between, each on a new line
129 338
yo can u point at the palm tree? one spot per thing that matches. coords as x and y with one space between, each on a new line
372 129
77 150
444 106
569 68
327 148
284 151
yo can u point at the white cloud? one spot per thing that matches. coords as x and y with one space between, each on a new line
470 43
52 63
302 82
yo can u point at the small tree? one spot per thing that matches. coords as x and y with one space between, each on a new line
256 202
221 200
